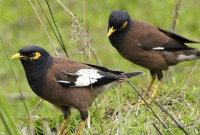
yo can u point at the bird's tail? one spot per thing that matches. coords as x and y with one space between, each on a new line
129 75
187 55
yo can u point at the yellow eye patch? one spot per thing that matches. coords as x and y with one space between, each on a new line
124 25
37 55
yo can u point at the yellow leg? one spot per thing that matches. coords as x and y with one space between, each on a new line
65 132
155 91
82 124
62 127
148 88
151 83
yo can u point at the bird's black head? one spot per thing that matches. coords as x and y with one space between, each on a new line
36 62
33 57
31 53
118 20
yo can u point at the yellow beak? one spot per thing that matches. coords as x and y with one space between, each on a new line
111 30
17 56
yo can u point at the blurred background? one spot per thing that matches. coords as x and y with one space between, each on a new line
19 26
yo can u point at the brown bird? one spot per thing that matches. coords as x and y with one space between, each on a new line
147 45
67 83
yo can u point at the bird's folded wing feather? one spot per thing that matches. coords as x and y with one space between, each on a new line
104 69
177 36
154 38
86 77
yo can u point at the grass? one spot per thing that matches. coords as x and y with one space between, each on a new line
116 110
8 123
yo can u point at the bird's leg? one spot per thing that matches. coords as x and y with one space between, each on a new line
82 124
154 92
160 76
151 82
62 127
149 86
65 132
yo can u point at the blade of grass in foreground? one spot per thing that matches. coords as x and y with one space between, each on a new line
4 114
9 124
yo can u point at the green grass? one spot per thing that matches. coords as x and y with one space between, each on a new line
8 123
117 110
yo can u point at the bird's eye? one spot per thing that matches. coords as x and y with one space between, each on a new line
29 54
32 54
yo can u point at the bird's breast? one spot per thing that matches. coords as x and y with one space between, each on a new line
36 83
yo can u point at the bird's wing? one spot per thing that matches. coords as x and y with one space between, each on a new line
154 38
86 77
104 69
177 36
70 73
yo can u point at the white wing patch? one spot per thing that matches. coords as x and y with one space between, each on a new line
158 48
183 57
87 77
62 81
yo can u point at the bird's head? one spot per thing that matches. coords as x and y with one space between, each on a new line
118 20
30 53
32 56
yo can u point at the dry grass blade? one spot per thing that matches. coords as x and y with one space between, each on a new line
177 8
81 34
60 40
43 27
84 34
127 80
14 77
157 129
188 79
32 112
165 110
174 20
194 124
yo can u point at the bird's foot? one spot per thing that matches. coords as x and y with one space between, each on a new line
123 79
62 127
141 102
65 132
82 124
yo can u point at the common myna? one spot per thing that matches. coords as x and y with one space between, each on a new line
67 83
147 45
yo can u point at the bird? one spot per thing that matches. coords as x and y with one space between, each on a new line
148 46
67 83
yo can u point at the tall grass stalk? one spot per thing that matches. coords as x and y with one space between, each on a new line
9 124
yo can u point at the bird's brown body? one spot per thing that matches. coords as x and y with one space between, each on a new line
147 45
80 98
142 34
61 96
67 83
